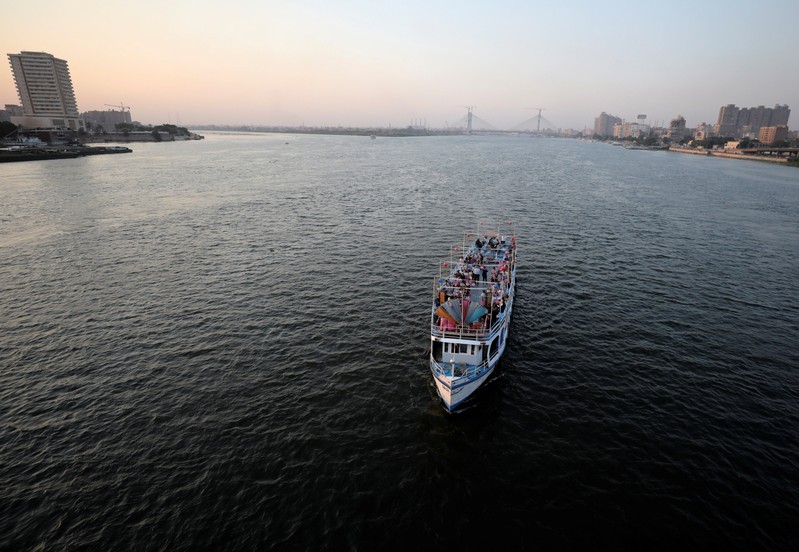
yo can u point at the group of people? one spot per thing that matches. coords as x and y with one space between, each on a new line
472 271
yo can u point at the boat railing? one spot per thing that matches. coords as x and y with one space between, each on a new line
463 332
446 369
466 332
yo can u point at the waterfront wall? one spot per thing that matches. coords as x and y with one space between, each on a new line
730 155
691 151
766 158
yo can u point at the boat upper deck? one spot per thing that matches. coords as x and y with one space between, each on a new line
475 287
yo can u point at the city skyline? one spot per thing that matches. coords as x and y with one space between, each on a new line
369 64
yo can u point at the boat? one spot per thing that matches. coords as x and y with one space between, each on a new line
38 153
472 304
100 150
32 153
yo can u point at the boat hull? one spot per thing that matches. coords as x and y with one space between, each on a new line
453 392
454 395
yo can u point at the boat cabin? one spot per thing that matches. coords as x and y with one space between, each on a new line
460 352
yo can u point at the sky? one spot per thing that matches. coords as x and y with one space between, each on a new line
381 63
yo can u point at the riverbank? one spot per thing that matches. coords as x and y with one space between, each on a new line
730 155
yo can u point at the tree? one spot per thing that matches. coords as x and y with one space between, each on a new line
173 129
713 141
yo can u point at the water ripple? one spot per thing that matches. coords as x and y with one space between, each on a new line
223 346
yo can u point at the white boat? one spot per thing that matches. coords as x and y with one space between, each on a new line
472 305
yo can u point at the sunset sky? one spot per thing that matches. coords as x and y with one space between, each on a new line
365 63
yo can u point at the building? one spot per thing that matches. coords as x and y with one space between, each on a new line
703 132
677 130
603 125
107 120
746 122
5 114
629 129
9 111
728 121
45 90
771 134
780 115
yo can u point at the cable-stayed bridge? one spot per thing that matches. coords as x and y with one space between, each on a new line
471 122
537 124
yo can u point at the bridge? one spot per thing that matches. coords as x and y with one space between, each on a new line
472 123
771 152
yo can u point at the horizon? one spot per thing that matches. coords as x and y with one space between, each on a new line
359 64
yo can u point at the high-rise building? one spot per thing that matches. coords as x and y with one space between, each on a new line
780 115
603 125
45 91
677 130
747 121
728 121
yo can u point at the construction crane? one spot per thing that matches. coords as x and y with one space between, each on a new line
122 106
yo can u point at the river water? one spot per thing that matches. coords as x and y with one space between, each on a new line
222 345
